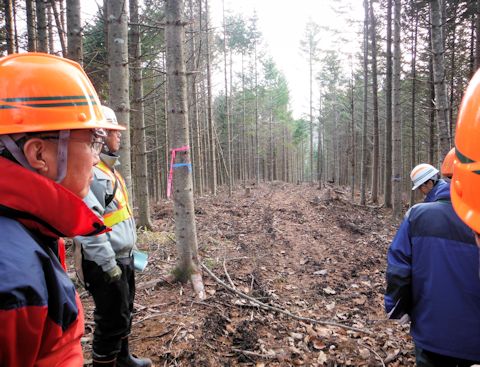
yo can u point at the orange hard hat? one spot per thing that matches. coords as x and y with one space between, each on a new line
42 92
447 165
465 187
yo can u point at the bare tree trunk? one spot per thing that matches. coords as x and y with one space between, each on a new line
310 69
319 143
41 26
363 176
397 123
31 31
388 106
15 27
452 68
142 197
227 106
118 78
10 32
352 127
257 143
477 31
74 32
51 46
185 231
441 100
414 98
211 122
58 23
376 143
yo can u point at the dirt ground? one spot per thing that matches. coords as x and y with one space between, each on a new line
306 251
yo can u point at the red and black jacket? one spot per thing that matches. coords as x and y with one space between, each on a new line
41 316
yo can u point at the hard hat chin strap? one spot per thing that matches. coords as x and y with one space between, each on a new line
62 155
15 151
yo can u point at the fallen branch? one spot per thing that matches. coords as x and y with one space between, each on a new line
253 354
268 307
228 275
373 351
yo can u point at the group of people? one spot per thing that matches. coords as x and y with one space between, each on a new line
59 179
433 274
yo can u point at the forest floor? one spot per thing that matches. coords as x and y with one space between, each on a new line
306 251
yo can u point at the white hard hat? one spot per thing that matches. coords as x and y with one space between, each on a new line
421 174
109 115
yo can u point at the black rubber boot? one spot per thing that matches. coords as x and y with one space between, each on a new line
125 359
104 360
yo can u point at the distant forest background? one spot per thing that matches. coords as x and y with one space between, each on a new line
388 105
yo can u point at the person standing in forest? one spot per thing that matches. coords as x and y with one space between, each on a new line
430 278
107 260
49 141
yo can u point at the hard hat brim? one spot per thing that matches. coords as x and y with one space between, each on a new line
465 201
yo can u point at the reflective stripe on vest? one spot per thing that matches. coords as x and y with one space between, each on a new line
123 211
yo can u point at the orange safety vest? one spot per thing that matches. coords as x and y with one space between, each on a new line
123 211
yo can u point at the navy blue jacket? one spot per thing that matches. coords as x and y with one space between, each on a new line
432 276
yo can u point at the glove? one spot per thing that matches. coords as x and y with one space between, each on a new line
113 274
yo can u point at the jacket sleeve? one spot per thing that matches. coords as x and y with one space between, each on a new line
21 335
98 248
399 270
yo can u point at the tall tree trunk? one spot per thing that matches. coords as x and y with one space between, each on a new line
15 29
74 32
319 143
118 78
414 98
58 23
227 106
142 197
10 32
352 128
31 31
51 46
310 69
388 105
397 122
185 231
257 142
477 31
432 151
439 81
363 176
376 143
211 122
452 68
41 26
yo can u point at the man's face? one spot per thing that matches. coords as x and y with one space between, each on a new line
426 187
81 159
112 140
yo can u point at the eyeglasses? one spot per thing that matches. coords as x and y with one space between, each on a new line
96 143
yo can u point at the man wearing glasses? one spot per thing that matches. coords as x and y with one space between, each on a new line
50 137
107 261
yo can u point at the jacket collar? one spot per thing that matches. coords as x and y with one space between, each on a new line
111 160
441 191
42 205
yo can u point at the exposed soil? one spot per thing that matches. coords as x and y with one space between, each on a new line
307 251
